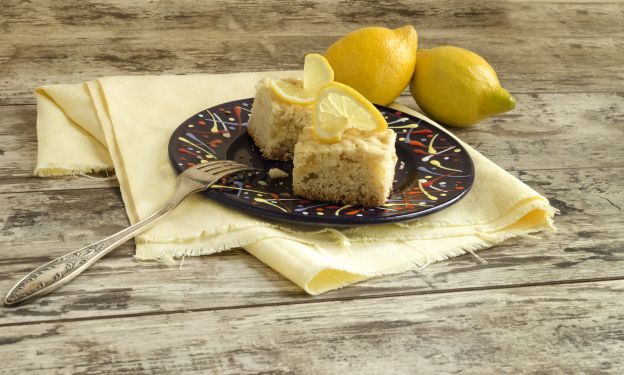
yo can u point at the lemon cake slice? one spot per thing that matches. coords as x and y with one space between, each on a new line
282 107
275 124
357 170
348 155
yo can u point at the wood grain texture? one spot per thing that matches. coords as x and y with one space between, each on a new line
42 225
562 329
45 42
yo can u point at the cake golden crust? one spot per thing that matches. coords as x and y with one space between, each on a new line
357 170
274 124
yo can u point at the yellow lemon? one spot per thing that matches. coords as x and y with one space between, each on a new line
457 87
375 61
316 73
339 107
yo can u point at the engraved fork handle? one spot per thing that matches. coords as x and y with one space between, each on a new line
63 269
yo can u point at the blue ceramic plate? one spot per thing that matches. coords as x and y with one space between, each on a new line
433 171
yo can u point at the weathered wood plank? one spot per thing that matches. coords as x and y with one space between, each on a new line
576 18
311 18
53 43
544 126
39 226
64 61
562 329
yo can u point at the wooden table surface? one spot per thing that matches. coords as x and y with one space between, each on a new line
548 305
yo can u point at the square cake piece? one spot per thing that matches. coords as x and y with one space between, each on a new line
276 124
357 170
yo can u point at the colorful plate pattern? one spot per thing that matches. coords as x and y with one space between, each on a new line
433 170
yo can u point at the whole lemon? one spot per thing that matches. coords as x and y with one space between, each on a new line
457 87
376 61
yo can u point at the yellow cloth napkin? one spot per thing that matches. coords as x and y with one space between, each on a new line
125 123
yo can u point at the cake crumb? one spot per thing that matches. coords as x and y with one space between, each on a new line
277 173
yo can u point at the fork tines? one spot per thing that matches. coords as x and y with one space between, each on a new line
222 167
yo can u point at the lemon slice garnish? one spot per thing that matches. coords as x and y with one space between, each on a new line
316 73
291 91
339 107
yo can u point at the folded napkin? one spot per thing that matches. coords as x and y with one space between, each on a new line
124 123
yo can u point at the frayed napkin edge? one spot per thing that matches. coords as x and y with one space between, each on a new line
58 170
415 265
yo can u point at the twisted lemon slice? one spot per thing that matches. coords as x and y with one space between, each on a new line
316 73
339 107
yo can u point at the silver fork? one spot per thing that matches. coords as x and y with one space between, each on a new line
63 269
